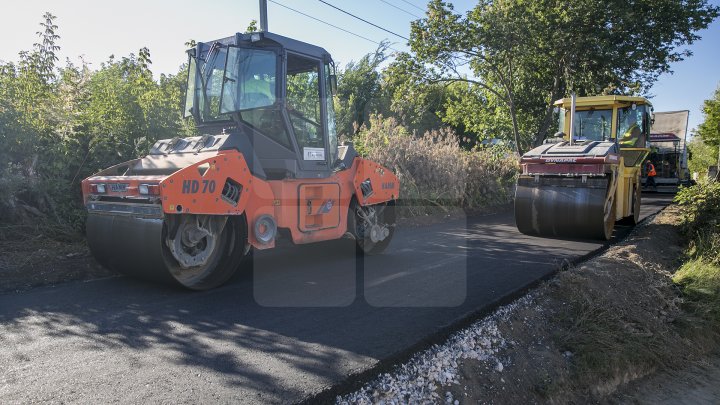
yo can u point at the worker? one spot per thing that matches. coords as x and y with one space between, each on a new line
632 136
258 88
651 173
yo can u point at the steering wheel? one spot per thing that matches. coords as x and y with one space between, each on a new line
308 141
255 100
302 116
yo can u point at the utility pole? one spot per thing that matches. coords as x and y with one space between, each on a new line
263 16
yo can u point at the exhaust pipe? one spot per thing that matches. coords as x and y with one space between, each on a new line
572 117
263 16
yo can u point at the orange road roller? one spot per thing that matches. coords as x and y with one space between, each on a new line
267 166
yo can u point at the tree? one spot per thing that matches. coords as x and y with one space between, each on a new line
358 90
521 55
701 156
61 124
709 130
417 104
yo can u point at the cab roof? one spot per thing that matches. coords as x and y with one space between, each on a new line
268 39
603 101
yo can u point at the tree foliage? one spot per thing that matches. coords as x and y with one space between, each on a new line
521 55
701 156
709 130
417 104
359 91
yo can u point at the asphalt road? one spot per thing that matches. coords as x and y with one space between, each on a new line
297 323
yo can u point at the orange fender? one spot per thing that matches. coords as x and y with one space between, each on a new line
384 186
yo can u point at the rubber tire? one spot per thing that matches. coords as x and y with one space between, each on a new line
225 261
610 223
634 219
363 243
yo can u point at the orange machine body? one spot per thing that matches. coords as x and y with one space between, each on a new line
312 210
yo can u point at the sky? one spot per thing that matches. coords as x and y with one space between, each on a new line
96 29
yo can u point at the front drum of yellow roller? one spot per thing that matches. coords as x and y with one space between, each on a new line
564 207
141 247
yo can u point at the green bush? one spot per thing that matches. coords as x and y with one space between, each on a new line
701 219
699 277
700 283
59 125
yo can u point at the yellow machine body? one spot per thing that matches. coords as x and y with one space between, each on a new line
631 158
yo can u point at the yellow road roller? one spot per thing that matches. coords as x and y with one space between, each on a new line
584 179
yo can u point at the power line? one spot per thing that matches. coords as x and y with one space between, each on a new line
363 20
407 2
401 9
327 23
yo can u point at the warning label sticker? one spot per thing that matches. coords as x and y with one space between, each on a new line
313 153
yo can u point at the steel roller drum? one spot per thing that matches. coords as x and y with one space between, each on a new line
129 245
564 207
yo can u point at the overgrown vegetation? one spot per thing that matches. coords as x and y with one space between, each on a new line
59 124
702 156
435 171
699 277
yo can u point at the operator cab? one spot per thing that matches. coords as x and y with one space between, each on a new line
608 118
622 120
272 91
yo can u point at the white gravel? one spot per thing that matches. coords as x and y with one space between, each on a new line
419 381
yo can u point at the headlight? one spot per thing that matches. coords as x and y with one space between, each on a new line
97 188
149 189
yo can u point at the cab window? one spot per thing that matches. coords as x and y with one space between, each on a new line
303 104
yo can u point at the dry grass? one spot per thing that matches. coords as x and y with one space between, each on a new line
622 315
435 172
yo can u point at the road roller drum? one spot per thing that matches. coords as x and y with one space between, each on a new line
564 207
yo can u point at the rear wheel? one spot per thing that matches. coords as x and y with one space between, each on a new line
634 217
609 217
637 202
203 251
372 226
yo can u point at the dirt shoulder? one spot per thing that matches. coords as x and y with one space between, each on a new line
695 384
595 328
38 262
